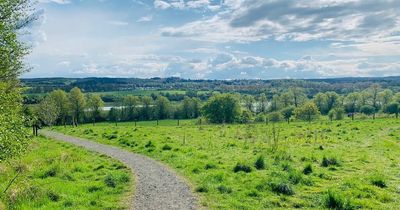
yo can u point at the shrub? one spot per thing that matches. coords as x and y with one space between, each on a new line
378 181
241 167
295 177
202 189
329 161
307 169
149 144
209 166
281 188
110 181
333 200
53 196
222 189
166 147
52 172
260 163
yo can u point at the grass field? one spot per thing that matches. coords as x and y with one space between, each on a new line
56 175
341 164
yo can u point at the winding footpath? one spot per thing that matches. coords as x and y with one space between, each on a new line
157 187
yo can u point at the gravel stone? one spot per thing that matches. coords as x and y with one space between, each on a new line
157 187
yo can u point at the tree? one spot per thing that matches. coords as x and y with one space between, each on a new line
374 89
385 97
393 108
13 136
321 101
163 107
332 100
60 98
130 104
367 109
351 103
77 104
396 97
274 103
287 113
297 95
48 111
222 108
146 111
249 102
114 115
308 112
94 105
247 116
285 99
336 113
262 103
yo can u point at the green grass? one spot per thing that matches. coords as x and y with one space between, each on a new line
57 175
302 168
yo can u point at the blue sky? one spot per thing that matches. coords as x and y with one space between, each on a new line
215 39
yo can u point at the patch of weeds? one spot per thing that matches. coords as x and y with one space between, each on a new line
53 196
281 188
68 203
110 181
224 190
333 200
94 189
124 178
326 162
295 177
242 167
202 189
98 168
260 163
210 166
286 166
196 170
308 169
51 172
166 147
378 181
149 144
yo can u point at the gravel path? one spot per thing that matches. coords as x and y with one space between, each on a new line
157 187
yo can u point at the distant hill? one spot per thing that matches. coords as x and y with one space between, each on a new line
339 85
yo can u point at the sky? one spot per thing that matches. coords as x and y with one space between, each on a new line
214 39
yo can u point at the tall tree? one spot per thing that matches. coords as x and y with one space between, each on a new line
262 103
77 104
163 107
60 98
321 101
130 104
146 112
393 108
385 97
332 100
297 95
374 89
351 103
13 136
222 108
249 102
48 111
94 105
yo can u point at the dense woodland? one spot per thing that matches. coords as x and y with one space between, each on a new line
72 108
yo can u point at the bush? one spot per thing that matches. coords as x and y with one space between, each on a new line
241 167
224 190
110 181
329 161
166 147
260 163
307 169
378 181
209 166
295 177
281 188
333 200
202 189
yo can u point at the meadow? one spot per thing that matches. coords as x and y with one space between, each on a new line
341 164
55 175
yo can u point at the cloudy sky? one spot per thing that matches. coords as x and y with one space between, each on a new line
215 39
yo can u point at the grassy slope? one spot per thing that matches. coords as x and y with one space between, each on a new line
61 176
206 155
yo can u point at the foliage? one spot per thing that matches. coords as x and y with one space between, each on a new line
241 167
275 117
260 163
307 112
77 104
367 109
222 108
48 111
393 108
333 200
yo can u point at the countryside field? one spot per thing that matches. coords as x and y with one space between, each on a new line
55 175
341 164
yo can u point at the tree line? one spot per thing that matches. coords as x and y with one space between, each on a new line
62 108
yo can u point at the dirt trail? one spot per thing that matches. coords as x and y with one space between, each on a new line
157 187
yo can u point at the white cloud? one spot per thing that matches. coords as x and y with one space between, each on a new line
159 4
117 23
145 19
